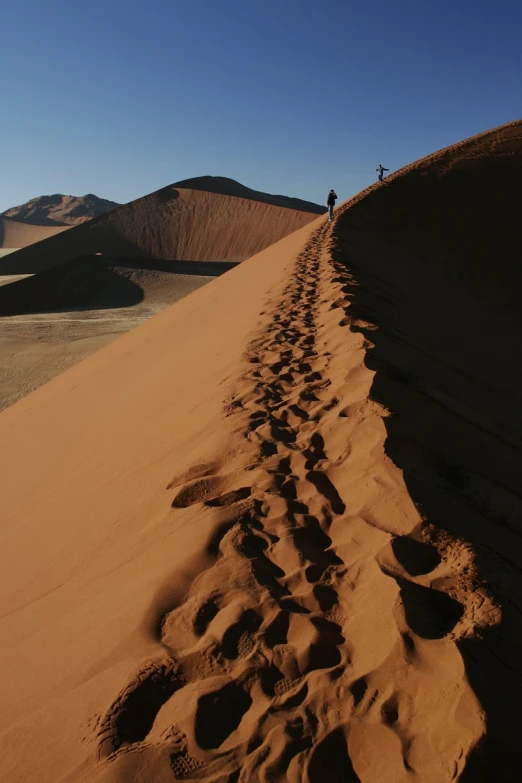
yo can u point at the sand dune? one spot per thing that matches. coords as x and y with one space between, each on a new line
97 282
229 187
190 223
17 235
430 266
51 320
272 534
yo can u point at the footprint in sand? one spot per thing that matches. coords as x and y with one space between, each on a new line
261 671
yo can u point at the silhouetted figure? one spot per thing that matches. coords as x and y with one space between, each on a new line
330 202
380 168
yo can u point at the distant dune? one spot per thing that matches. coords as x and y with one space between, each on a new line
273 534
55 318
60 210
229 187
14 234
97 282
183 222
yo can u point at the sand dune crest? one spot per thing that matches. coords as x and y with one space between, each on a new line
287 548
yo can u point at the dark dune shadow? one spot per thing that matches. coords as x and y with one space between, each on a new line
200 268
81 284
98 283
167 194
433 259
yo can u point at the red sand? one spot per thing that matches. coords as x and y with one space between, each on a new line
15 235
272 534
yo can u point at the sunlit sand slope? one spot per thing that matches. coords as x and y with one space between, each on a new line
273 534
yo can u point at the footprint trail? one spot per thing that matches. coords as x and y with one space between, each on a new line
324 632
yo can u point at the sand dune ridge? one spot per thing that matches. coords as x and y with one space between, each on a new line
287 548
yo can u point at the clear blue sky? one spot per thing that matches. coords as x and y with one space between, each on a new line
121 97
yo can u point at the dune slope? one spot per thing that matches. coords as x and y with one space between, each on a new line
14 234
430 265
179 223
272 534
229 187
56 318
98 282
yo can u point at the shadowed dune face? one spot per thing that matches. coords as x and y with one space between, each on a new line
95 283
430 263
81 283
441 249
174 223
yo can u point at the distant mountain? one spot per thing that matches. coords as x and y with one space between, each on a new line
60 210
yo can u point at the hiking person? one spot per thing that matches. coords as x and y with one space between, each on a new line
330 202
380 168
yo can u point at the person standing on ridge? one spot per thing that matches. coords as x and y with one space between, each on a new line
380 168
330 202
